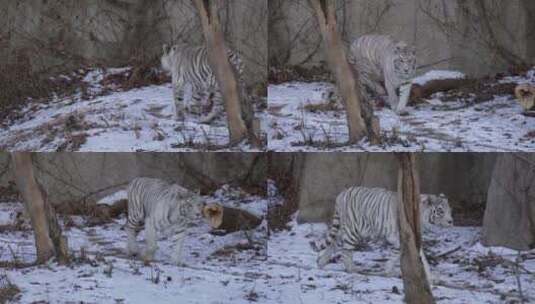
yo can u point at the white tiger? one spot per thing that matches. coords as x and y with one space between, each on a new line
191 73
363 214
159 207
384 65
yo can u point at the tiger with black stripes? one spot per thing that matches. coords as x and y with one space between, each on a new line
384 65
191 73
159 207
363 214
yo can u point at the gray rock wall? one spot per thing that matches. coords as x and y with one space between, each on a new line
63 34
450 32
510 214
463 177
70 176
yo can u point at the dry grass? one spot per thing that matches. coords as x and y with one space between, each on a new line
142 74
328 106
280 215
8 290
279 75
9 193
19 84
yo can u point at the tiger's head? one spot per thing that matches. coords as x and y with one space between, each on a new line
404 60
166 57
436 210
170 54
196 204
191 204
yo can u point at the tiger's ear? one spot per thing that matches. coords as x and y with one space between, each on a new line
412 50
400 47
165 49
425 199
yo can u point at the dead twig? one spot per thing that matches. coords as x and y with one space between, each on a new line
447 252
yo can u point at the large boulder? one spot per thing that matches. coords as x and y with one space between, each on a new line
510 214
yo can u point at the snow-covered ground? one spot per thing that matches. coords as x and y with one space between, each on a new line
462 270
471 273
107 118
220 268
495 125
226 269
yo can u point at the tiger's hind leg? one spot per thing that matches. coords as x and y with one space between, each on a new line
324 257
131 247
150 240
393 239
348 247
215 102
347 258
178 102
188 98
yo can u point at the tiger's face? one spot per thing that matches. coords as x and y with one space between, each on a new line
439 211
169 53
194 206
404 60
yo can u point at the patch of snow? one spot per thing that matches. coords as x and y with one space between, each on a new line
293 263
453 126
8 212
127 121
437 74
281 270
219 269
112 198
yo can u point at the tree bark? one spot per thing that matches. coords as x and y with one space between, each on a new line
49 241
438 85
230 219
415 283
223 70
337 60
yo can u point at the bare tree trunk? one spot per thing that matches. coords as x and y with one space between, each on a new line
336 57
226 78
415 283
49 241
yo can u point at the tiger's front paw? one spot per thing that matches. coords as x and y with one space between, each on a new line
323 260
148 255
132 250
179 262
351 268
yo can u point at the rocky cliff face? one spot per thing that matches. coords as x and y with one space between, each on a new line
447 34
319 177
71 176
61 34
510 214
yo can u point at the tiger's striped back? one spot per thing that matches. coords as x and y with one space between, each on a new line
167 204
361 214
194 66
190 68
190 65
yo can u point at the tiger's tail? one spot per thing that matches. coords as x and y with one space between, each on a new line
330 238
